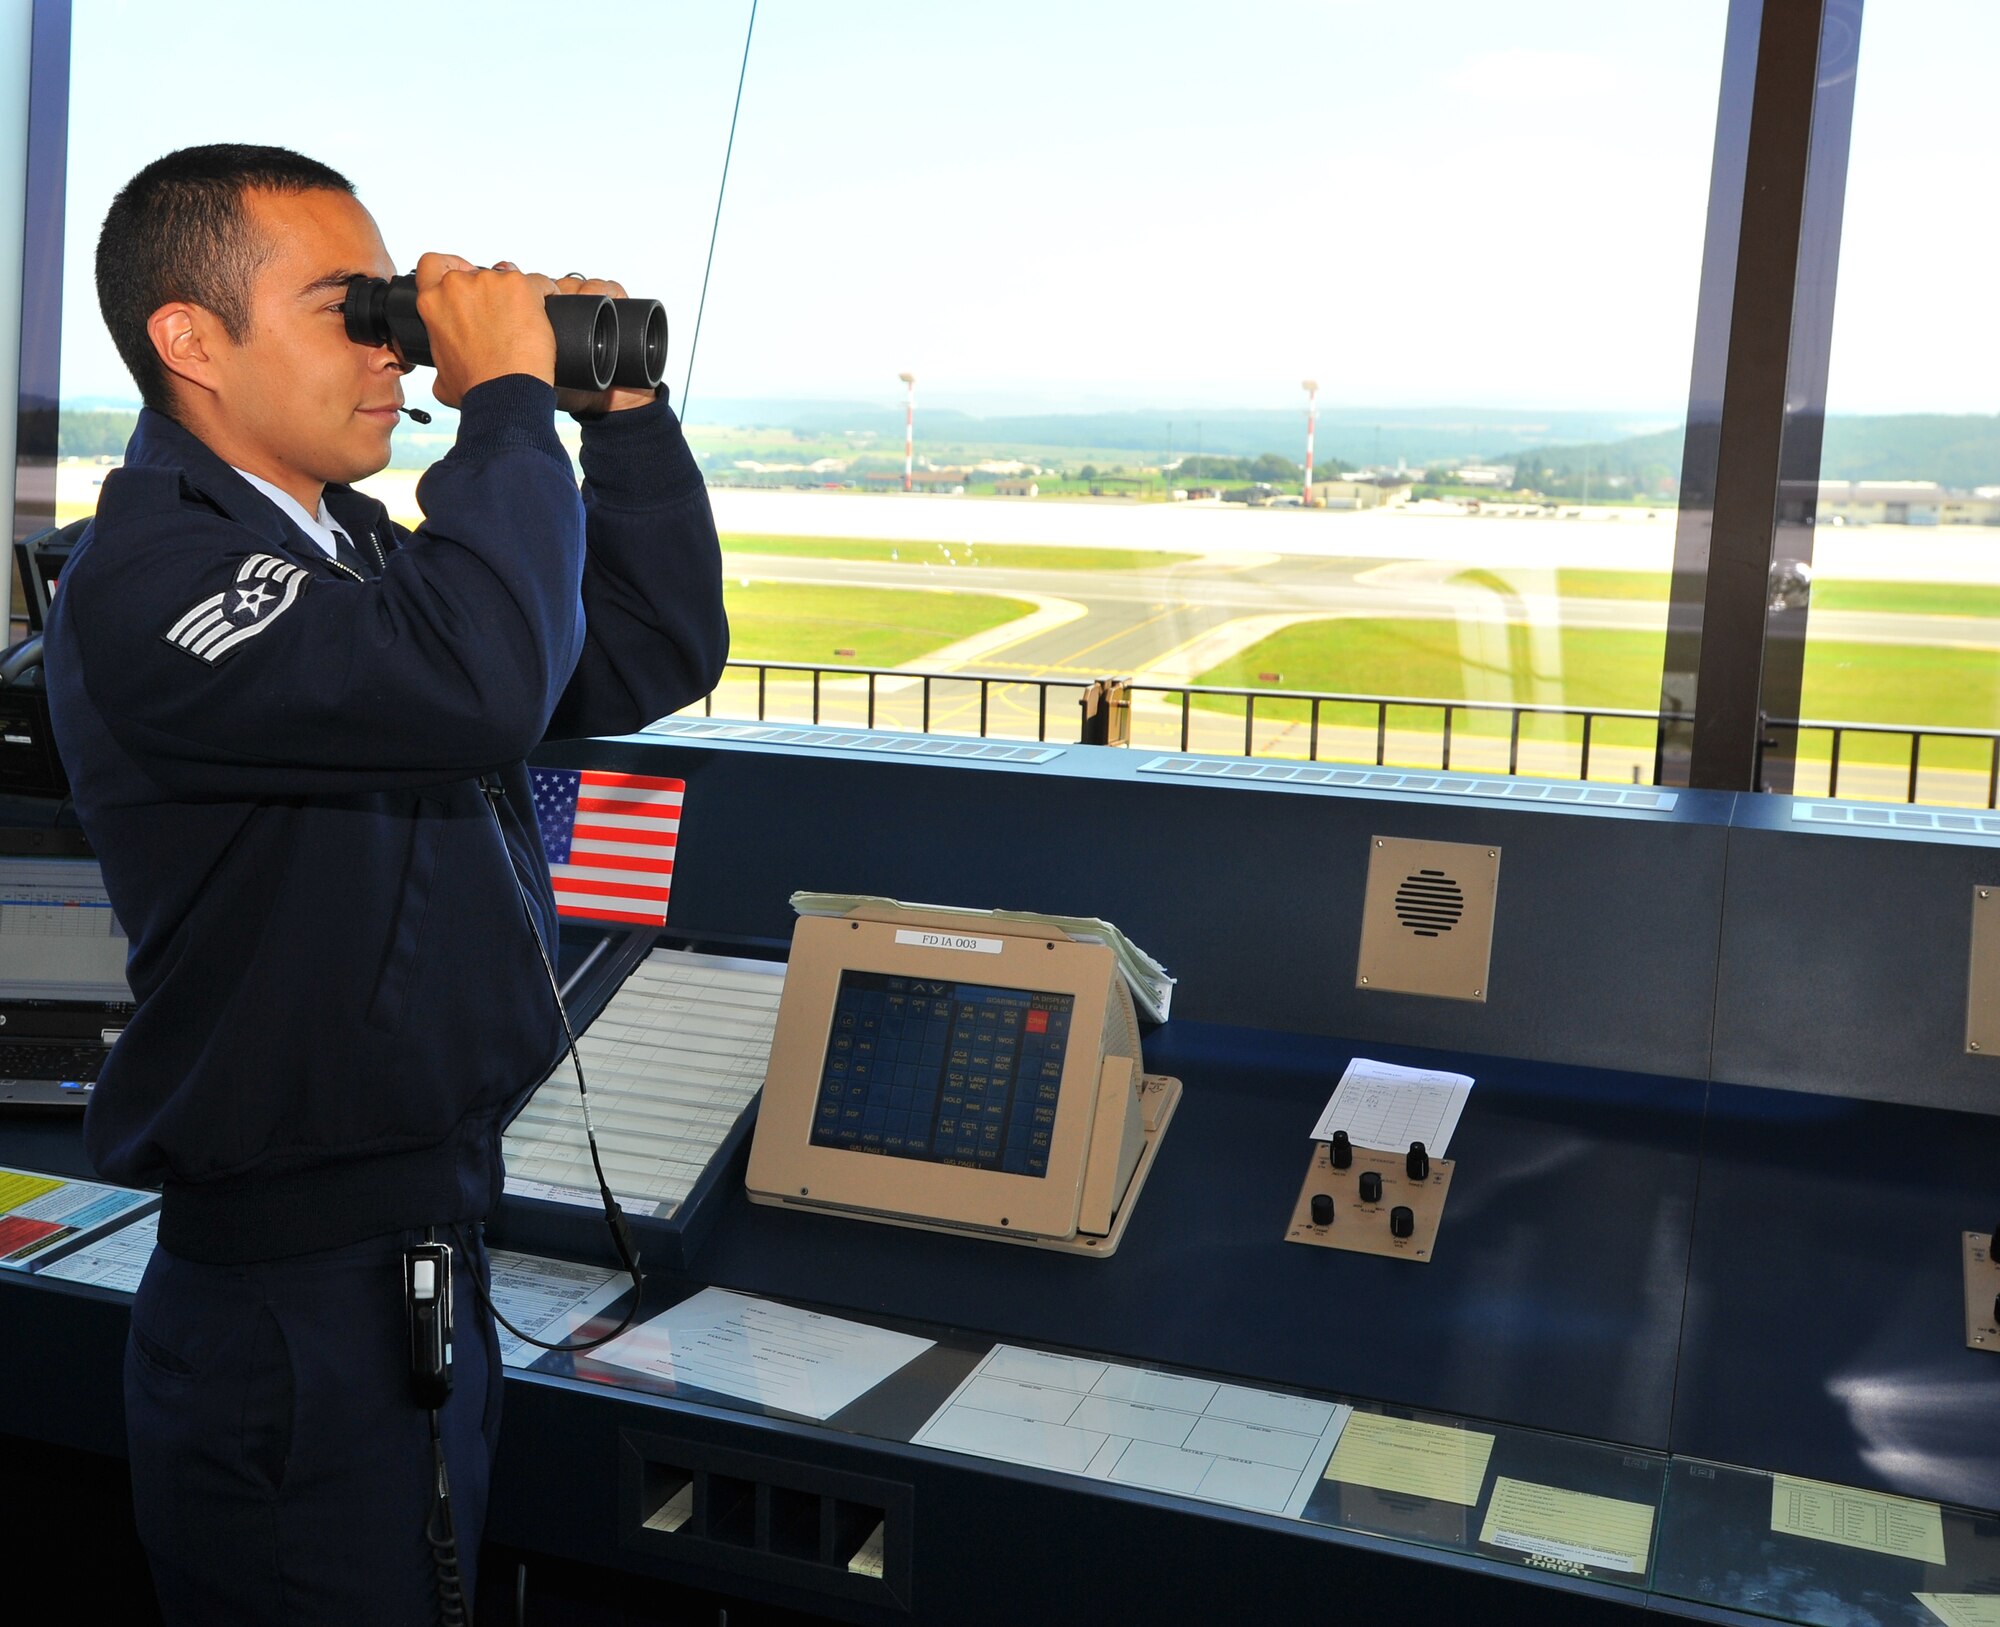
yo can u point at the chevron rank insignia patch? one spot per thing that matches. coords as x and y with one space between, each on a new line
265 588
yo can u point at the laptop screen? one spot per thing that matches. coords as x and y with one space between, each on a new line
58 937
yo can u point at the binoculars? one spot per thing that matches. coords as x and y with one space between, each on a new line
600 342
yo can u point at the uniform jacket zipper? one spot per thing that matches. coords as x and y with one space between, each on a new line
374 547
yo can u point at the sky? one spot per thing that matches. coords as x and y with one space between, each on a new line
1126 203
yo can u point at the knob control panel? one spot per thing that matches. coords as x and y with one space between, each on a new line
1371 1200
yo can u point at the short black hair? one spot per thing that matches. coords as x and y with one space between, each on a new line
178 230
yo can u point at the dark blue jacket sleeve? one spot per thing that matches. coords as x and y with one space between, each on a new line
655 632
450 664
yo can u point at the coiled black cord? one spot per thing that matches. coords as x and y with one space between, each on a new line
442 1535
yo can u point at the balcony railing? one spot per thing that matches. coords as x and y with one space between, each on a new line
1987 741
1318 702
896 680
1556 742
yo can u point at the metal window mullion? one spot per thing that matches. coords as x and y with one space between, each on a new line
1757 400
37 423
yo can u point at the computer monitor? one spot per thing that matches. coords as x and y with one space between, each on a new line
40 560
961 1075
59 939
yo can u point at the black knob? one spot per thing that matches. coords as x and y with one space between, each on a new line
1342 1151
1371 1186
1418 1164
1322 1209
1401 1221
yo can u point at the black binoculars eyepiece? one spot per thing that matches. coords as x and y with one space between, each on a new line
600 342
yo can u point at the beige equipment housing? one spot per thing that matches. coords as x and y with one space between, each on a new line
1057 1151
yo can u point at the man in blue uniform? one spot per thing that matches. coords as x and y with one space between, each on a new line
279 710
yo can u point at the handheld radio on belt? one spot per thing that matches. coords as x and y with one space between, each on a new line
427 1298
427 1293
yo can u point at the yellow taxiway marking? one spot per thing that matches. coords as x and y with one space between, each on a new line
1136 627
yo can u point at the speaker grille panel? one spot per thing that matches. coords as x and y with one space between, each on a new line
1430 903
1427 918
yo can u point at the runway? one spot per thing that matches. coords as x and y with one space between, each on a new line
1255 571
1171 624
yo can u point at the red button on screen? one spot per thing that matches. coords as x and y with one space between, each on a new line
1038 1022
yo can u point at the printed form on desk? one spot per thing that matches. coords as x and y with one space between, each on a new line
1384 1106
42 1213
1873 1520
671 1063
779 1356
1963 1609
1137 1426
117 1260
548 1300
1611 1533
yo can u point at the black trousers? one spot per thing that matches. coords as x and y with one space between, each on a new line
281 1471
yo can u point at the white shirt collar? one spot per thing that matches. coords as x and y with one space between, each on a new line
322 528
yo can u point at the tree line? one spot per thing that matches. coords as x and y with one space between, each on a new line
1268 468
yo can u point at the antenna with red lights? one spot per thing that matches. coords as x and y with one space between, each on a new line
909 426
1311 388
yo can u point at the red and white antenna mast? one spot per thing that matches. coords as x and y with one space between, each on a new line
1311 388
909 426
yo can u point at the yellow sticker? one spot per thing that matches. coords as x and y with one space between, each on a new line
1419 1460
1857 1519
1607 1533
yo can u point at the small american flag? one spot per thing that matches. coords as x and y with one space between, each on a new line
609 840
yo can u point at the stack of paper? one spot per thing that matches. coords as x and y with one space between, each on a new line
1381 1105
671 1063
1152 989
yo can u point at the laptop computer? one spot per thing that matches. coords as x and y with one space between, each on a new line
63 995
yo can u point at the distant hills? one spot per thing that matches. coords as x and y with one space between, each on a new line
1601 451
1960 451
1355 435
